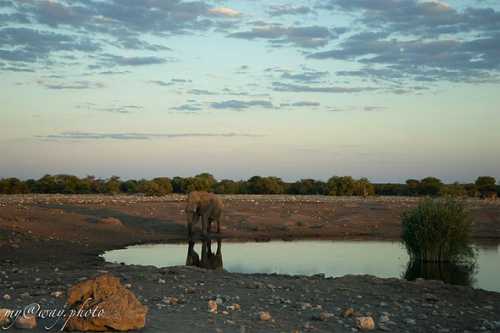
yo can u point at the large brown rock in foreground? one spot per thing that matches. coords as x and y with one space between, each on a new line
118 307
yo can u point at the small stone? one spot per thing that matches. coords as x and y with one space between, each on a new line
219 301
7 297
234 307
430 297
324 316
348 312
26 322
171 300
410 321
161 281
25 295
57 294
365 323
212 306
264 316
384 318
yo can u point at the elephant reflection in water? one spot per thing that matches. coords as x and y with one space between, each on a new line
208 260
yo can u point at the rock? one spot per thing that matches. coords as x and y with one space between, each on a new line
365 323
384 318
25 322
410 321
430 297
171 300
234 307
57 294
265 316
219 301
4 317
348 312
212 306
113 306
110 221
323 316
7 297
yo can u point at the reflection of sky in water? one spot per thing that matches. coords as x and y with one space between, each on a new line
333 258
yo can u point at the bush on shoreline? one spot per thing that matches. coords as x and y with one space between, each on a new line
437 230
335 186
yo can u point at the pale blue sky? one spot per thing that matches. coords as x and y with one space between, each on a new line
384 89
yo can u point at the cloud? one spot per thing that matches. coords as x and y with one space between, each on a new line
136 136
91 26
286 87
443 59
169 83
187 107
278 35
19 44
121 109
241 105
404 40
76 85
224 11
132 61
201 92
306 76
280 10
367 108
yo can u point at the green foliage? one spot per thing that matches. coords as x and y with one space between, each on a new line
413 186
227 186
308 187
486 186
13 186
391 189
430 186
437 230
266 185
455 190
347 186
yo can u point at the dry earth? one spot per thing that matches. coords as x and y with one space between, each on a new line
49 242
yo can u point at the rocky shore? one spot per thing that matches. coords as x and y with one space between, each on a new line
50 243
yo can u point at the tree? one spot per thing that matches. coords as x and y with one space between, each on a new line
453 190
227 186
437 231
308 187
341 185
363 187
430 186
13 186
266 185
112 185
164 185
413 186
205 182
486 186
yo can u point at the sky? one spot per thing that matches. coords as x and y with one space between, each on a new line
383 89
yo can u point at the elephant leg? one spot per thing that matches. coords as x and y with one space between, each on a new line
190 222
209 227
218 225
204 222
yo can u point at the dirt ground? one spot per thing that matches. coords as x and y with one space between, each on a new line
49 242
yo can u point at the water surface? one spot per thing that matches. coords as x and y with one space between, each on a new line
332 258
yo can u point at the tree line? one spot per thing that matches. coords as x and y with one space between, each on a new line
335 186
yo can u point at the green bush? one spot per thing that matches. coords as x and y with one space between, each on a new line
437 231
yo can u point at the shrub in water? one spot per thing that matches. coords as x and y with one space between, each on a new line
437 231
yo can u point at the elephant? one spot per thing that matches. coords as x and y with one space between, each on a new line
209 260
205 206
